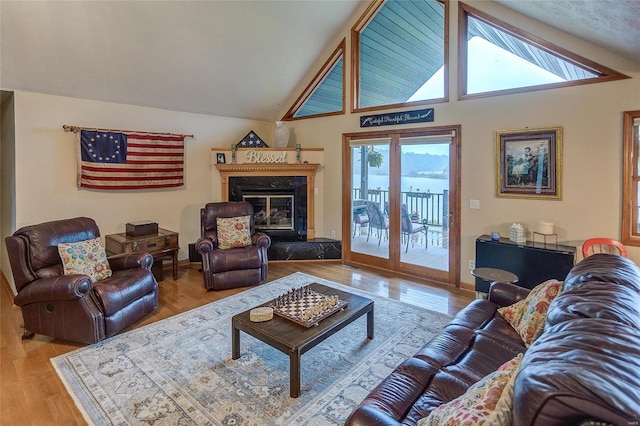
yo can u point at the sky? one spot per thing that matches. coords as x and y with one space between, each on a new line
492 68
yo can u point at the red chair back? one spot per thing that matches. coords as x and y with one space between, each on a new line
603 245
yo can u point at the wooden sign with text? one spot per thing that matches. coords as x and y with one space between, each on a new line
405 117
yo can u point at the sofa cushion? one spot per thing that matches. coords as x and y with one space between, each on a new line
598 299
479 402
604 268
234 232
85 257
580 369
527 316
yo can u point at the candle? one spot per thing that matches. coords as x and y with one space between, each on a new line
545 228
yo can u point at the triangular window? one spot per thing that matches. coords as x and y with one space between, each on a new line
325 94
497 58
400 54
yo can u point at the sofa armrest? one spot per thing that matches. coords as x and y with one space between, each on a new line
64 287
505 294
370 416
122 261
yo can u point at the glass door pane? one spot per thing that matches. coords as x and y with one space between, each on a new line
370 197
424 202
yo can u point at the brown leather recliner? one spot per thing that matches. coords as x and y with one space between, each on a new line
71 307
235 267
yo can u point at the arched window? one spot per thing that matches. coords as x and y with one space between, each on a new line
497 58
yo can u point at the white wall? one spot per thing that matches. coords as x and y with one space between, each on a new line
45 164
591 117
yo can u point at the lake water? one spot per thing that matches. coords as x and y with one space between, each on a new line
436 186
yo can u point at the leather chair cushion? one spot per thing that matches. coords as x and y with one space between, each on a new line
236 259
123 288
50 271
44 238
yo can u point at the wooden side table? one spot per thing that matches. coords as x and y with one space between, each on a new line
161 246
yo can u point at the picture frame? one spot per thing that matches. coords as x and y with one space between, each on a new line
220 158
529 163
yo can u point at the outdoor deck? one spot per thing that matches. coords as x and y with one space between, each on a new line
436 255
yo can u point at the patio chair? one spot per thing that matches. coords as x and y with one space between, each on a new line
360 217
409 228
377 220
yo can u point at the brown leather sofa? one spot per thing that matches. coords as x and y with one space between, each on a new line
235 267
71 307
584 367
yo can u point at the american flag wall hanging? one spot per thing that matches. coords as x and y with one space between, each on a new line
123 160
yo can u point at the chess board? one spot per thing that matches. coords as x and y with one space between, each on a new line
292 306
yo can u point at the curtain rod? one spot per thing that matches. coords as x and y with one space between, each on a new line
76 129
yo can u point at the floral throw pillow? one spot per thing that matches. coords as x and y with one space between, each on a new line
527 316
85 257
233 232
487 402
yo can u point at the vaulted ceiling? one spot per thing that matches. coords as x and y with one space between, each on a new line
227 58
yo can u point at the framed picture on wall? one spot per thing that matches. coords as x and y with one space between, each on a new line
220 159
529 163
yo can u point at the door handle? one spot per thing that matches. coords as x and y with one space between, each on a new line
452 223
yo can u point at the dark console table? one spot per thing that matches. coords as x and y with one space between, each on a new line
533 262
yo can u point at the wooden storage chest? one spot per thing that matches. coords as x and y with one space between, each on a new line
161 246
123 243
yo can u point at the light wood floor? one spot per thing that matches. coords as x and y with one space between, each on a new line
32 394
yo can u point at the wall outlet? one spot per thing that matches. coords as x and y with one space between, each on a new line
333 234
472 264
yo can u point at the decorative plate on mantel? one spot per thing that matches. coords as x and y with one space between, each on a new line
252 140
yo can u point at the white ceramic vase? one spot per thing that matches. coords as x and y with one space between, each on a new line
282 134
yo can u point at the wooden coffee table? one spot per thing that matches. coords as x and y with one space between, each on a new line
293 339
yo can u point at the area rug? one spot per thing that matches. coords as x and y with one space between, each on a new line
179 371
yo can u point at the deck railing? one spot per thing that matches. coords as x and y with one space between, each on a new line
426 205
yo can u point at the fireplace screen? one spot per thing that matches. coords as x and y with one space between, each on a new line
271 211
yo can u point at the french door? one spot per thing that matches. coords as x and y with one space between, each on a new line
400 201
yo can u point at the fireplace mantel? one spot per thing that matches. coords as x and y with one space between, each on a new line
274 169
268 169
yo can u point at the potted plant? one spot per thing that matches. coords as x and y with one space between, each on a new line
374 157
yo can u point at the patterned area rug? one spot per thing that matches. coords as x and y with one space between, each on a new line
179 371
